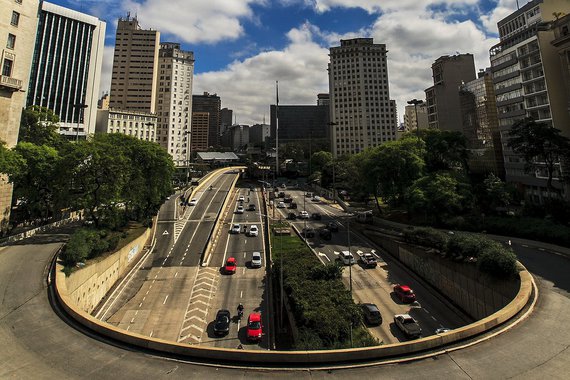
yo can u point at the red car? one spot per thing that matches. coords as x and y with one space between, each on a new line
231 265
405 293
254 328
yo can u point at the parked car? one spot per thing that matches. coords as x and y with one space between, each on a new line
231 265
239 210
253 231
251 207
254 327
409 326
325 233
404 293
308 232
291 216
347 258
371 314
236 229
193 202
293 205
368 260
256 260
332 226
303 215
222 323
316 216
281 205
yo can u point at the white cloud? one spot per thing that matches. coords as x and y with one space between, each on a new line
502 10
107 69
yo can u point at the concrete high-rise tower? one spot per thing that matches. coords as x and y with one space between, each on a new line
174 101
362 113
135 67
66 69
211 104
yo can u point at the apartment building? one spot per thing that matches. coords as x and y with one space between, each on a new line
66 68
140 125
362 115
200 129
415 117
529 82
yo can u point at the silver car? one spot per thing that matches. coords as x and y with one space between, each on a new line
256 260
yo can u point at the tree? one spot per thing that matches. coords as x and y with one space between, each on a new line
39 126
10 161
320 160
444 150
540 145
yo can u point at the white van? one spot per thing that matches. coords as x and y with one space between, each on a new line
347 258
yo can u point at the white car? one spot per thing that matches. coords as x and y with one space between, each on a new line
256 260
303 215
347 258
235 229
241 198
193 202
253 231
239 210
316 198
281 205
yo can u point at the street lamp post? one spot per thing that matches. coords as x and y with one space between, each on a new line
415 102
188 135
80 109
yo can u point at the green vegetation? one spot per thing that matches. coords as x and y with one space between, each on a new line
325 314
491 257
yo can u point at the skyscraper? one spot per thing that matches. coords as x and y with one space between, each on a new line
135 67
362 114
442 99
211 104
66 68
174 101
17 35
528 80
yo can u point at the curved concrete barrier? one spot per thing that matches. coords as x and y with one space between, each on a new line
292 357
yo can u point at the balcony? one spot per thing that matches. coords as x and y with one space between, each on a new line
12 84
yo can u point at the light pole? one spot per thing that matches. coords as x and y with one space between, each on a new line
349 272
415 102
80 109
332 124
188 135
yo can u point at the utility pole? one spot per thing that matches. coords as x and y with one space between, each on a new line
276 131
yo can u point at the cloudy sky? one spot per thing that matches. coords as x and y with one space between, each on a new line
242 47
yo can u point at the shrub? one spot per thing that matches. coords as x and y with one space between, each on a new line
77 249
498 261
427 236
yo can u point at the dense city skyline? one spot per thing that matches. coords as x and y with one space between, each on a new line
242 47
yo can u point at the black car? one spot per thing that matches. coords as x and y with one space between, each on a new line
293 205
281 194
288 199
316 216
325 233
371 314
308 232
333 226
291 216
222 323
368 260
251 207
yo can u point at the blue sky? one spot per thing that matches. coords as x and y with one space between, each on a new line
242 47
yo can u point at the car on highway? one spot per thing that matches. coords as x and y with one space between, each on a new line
291 216
239 210
347 258
254 327
256 260
325 233
241 198
371 314
332 226
409 326
253 231
404 293
193 202
236 229
442 330
309 194
293 205
368 260
281 194
303 215
287 199
316 216
308 232
251 207
231 265
316 199
222 323
281 205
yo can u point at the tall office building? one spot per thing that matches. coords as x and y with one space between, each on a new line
529 82
211 104
481 126
449 72
306 125
361 112
135 67
18 26
174 101
226 119
66 68
200 128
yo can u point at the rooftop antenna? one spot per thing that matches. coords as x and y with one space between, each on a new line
518 7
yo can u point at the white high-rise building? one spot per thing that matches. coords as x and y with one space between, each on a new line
362 113
174 101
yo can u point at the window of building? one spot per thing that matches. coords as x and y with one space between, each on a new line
11 41
7 67
15 18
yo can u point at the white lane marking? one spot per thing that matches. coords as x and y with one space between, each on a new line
152 332
541 249
133 320
241 294
175 274
128 327
524 245
140 304
165 298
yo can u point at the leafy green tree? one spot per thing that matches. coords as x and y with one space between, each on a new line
444 150
39 126
321 160
494 193
540 145
10 162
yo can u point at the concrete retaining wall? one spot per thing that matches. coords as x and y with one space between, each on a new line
87 286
